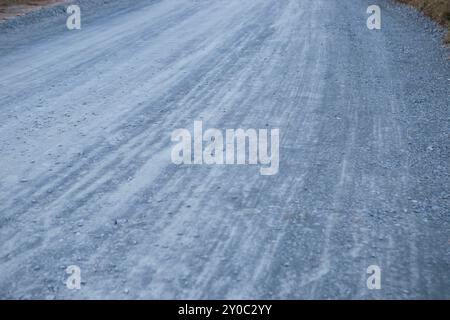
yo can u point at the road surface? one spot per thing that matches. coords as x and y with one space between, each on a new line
87 178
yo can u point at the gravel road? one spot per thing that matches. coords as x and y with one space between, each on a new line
87 178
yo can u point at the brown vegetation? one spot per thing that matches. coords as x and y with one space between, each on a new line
438 10
9 8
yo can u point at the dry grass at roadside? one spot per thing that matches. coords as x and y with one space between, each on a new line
439 10
9 8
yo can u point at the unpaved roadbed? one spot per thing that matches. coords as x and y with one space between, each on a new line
87 179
